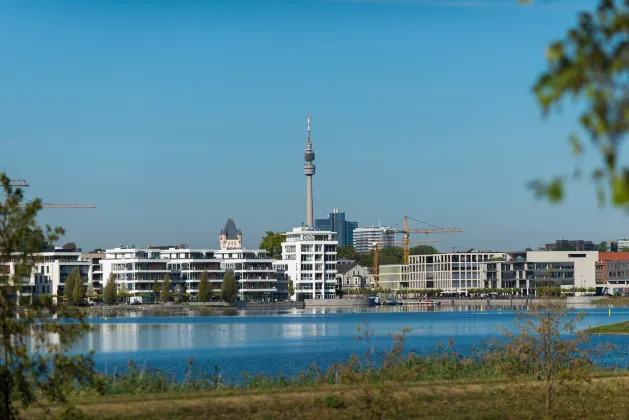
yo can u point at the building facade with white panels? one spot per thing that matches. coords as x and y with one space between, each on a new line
364 237
451 272
310 258
187 265
50 270
584 264
95 273
258 279
136 268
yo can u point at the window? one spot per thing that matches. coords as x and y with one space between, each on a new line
576 255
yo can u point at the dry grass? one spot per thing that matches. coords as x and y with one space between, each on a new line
447 400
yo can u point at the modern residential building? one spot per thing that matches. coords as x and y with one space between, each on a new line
310 258
526 276
50 270
230 236
187 265
393 277
584 264
364 237
352 277
95 273
451 272
336 222
137 269
258 279
569 245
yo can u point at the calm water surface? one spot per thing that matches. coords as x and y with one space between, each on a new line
287 342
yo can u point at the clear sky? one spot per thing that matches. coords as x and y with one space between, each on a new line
173 116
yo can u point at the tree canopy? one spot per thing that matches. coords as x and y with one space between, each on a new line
164 294
33 368
68 287
229 287
589 65
423 250
272 242
203 294
109 292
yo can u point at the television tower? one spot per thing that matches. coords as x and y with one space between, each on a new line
309 171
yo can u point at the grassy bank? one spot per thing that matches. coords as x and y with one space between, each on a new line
391 400
616 301
618 328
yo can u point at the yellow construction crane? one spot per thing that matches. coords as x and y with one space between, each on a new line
376 263
24 183
406 231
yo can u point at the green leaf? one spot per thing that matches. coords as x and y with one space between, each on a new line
555 191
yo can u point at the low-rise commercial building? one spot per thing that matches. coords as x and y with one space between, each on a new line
393 277
584 263
526 276
451 272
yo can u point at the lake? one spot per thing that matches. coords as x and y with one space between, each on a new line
288 341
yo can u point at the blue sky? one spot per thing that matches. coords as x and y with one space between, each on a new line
173 116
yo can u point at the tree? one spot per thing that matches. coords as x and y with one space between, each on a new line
68 287
33 240
423 250
272 242
589 65
90 292
624 249
602 247
229 287
204 288
109 292
70 246
539 348
33 369
291 288
564 247
155 291
165 293
78 292
346 251
123 292
179 293
527 249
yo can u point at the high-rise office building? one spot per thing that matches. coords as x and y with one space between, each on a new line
335 222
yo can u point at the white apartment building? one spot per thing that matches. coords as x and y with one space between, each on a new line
310 257
258 278
50 271
364 237
186 266
95 273
451 272
136 268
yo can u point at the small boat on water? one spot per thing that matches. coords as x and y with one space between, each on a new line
429 302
